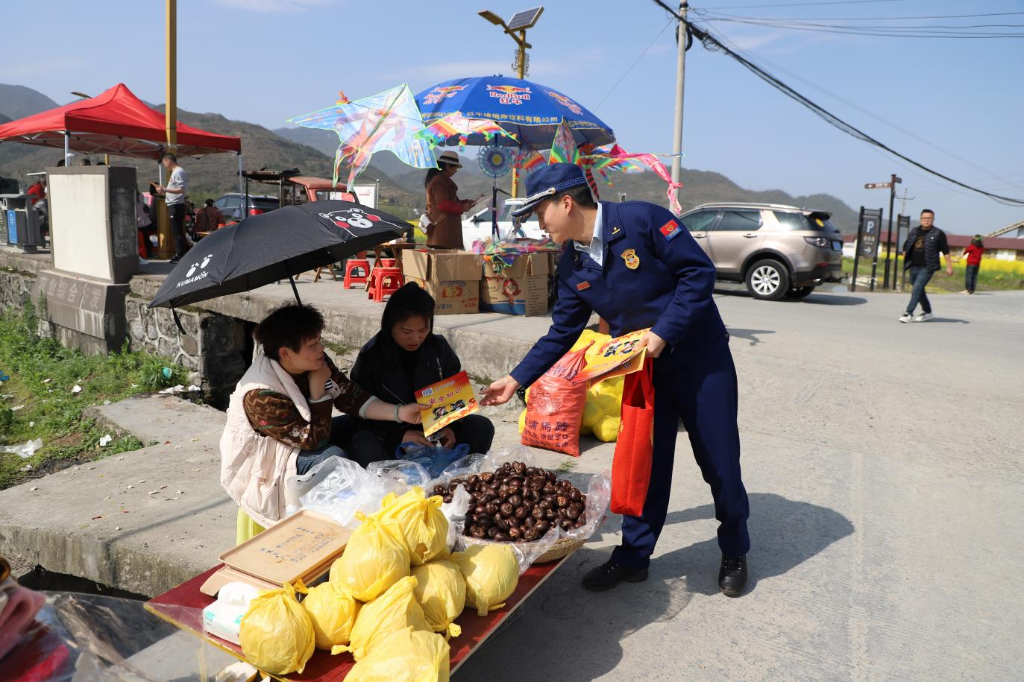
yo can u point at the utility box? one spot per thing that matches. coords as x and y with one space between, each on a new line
93 230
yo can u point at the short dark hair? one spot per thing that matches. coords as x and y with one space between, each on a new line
580 194
209 202
168 155
288 327
928 210
409 301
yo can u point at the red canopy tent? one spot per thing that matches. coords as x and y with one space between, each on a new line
115 122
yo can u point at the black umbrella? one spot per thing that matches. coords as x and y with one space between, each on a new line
274 246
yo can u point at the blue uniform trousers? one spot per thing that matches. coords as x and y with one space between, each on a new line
702 392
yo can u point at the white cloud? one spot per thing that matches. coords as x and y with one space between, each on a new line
269 6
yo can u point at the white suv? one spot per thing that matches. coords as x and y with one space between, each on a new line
480 224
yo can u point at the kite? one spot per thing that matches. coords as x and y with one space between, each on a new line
619 159
457 125
389 120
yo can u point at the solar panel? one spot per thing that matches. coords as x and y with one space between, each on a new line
524 20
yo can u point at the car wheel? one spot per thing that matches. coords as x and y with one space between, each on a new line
767 280
799 292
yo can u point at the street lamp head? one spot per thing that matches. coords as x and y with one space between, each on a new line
81 94
492 17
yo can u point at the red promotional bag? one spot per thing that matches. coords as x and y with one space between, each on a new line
555 408
634 450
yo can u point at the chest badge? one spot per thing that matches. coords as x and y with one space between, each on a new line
582 286
631 259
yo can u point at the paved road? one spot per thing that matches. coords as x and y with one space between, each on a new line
883 462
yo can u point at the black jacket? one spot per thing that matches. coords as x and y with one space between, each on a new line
934 242
379 370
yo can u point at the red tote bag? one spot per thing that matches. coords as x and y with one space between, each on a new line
634 450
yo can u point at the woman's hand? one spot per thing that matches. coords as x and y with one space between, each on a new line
410 414
317 378
417 437
447 437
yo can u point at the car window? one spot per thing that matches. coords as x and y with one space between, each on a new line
739 221
701 221
484 217
506 214
265 204
230 202
792 221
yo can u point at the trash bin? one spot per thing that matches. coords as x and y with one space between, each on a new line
19 224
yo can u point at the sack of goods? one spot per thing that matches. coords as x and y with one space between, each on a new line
407 655
423 526
492 574
441 591
394 610
276 632
333 612
594 411
375 558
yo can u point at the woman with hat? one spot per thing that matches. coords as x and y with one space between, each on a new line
444 208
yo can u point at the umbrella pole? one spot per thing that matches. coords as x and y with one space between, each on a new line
295 289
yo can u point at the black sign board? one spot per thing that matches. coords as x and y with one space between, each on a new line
868 229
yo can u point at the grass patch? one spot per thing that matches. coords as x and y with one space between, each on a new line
39 402
994 275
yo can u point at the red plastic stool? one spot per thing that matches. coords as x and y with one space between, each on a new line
384 282
362 265
387 263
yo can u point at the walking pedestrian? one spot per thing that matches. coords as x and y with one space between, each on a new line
637 267
177 186
921 257
973 254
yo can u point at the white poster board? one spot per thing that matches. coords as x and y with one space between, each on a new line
367 194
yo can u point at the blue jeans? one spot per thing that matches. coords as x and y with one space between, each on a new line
919 278
342 429
971 278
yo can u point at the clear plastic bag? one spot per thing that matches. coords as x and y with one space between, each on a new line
455 511
397 475
344 491
527 553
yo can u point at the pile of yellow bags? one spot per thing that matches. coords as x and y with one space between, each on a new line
602 412
391 600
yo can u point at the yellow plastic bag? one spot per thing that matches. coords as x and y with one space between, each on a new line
522 421
333 612
441 591
406 655
394 610
276 632
374 559
423 525
491 574
591 414
607 429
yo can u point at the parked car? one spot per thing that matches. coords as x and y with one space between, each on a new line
776 250
231 204
479 224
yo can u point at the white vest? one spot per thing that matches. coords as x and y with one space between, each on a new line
253 467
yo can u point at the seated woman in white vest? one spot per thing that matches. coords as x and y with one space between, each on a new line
279 419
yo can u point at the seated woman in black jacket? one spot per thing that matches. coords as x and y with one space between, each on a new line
402 358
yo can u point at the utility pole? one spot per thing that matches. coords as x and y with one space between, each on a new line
903 203
171 98
888 236
677 138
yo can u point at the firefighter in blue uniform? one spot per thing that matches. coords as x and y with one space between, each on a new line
637 267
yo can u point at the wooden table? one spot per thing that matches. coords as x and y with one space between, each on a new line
183 607
396 248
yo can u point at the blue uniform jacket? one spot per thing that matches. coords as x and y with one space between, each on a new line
654 275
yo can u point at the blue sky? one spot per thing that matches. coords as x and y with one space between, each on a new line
955 105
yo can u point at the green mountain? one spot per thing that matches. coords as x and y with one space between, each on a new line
312 152
17 101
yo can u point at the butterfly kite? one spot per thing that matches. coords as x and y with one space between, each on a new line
457 125
389 120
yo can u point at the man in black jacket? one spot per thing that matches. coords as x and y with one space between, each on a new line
921 254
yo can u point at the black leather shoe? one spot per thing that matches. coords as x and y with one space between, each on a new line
732 576
609 574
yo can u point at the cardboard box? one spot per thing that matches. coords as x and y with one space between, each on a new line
451 277
529 265
515 295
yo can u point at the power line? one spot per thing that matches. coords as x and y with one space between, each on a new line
948 32
631 66
809 4
711 12
712 43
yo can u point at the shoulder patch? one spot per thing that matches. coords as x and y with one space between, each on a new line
670 230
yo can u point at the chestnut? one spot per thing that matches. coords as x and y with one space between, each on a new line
515 533
550 514
487 477
503 537
522 513
566 524
483 519
562 501
545 504
501 524
531 535
447 499
518 467
529 522
507 510
491 508
548 489
537 513
543 527
551 476
515 500
580 522
479 532
575 495
572 513
492 531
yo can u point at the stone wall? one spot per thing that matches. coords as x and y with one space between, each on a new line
15 289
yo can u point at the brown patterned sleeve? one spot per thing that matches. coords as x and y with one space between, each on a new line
352 398
274 415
